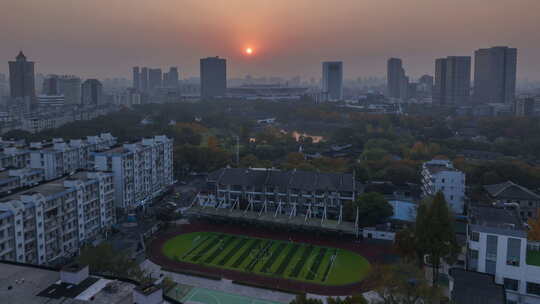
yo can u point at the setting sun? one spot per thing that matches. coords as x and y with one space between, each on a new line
249 51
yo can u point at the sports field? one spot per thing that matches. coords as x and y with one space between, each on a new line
284 259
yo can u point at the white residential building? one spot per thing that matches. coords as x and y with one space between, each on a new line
13 157
441 176
60 158
497 244
142 170
55 219
18 178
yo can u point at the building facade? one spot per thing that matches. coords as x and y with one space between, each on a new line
452 80
441 176
397 81
497 244
293 192
213 77
92 92
511 194
142 170
21 77
59 158
53 220
495 75
332 80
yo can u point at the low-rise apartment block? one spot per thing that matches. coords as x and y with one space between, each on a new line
11 180
59 158
142 170
54 219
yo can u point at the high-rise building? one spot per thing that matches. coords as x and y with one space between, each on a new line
170 79
51 86
495 75
425 84
21 77
144 79
332 80
92 92
70 87
213 77
397 81
136 78
154 79
452 80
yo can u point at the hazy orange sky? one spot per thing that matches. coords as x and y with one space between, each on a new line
104 38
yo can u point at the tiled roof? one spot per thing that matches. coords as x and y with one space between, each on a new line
510 190
305 180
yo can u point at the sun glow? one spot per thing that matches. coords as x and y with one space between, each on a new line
248 51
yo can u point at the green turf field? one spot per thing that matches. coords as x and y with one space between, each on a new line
296 261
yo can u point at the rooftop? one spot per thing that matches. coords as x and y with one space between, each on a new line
476 288
30 284
307 180
494 217
510 190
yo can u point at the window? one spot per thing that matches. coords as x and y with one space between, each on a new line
513 249
475 236
511 284
533 288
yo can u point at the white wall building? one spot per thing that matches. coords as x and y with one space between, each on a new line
497 244
142 170
54 219
60 158
441 176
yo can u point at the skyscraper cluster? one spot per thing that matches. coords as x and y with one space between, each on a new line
494 78
149 79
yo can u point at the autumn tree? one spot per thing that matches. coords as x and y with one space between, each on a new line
403 284
534 231
434 233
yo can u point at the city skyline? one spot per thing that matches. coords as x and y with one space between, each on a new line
359 33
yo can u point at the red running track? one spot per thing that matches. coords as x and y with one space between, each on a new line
374 253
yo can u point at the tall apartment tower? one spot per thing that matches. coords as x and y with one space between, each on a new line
213 77
70 87
51 85
332 80
155 79
21 77
144 79
136 78
170 79
397 81
92 92
495 75
452 80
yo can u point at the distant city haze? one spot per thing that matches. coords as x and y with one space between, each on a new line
103 38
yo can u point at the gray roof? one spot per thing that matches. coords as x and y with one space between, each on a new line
31 285
305 180
510 190
496 220
476 288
